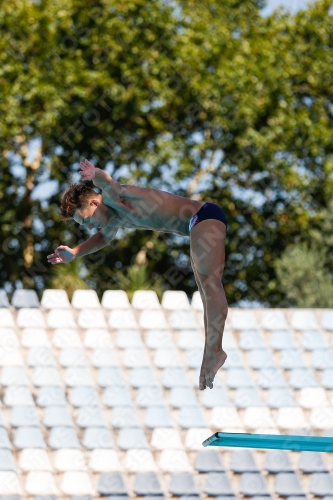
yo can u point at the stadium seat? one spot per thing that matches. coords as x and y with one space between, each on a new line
157 416
85 299
55 299
242 319
152 320
139 461
166 358
312 397
122 319
69 460
261 358
83 396
282 340
238 378
193 359
288 484
63 437
190 339
303 320
291 418
66 338
174 461
111 483
51 396
225 417
209 461
129 339
310 462
248 396
277 461
90 416
322 359
274 320
4 439
291 359
256 417
182 396
216 484
327 321
196 302
195 437
7 460
76 483
183 320
91 318
215 397
136 358
28 437
183 484
97 437
97 338
34 337
17 395
327 378
72 356
13 375
166 439
321 484
251 339
142 377
124 416
30 318
34 459
191 416
150 395
25 299
40 356
60 318
243 461
103 357
145 299
253 483
57 416
302 377
313 340
115 299
3 299
234 360
21 416
321 418
175 300
174 377
147 484
157 338
41 484
279 397
109 376
104 460
46 376
132 437
6 318
116 396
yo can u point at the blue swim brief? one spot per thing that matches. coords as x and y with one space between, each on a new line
208 211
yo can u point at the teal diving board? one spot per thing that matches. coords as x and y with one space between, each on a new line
270 441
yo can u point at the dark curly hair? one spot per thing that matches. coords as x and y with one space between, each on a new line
75 198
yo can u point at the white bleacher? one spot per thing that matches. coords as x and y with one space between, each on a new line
101 398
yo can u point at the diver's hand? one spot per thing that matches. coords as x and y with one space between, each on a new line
88 170
61 255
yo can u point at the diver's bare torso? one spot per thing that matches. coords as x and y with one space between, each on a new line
145 208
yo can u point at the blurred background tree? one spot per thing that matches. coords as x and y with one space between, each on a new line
209 101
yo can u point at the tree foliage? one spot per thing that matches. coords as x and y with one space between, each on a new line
206 100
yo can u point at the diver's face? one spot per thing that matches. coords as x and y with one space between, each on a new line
92 215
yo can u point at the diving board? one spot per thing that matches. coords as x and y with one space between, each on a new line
270 441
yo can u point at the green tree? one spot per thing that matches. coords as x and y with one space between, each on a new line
203 100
